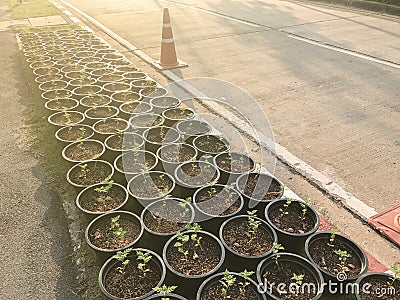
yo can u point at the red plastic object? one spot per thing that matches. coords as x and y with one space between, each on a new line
388 223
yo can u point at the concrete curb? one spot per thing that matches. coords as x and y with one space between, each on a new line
319 180
361 4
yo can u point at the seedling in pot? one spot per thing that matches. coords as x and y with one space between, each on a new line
194 236
227 281
396 275
298 279
334 231
180 244
283 210
244 284
275 250
304 207
84 169
343 256
118 231
252 225
103 190
164 291
143 258
121 256
184 204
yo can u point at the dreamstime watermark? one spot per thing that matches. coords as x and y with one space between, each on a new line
339 287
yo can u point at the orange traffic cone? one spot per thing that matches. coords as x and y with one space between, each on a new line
168 59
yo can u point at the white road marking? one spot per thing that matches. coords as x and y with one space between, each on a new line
345 51
215 14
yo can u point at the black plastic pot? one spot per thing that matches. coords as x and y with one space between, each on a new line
129 109
293 242
94 114
62 104
163 103
302 266
346 244
103 254
171 296
209 213
169 164
182 213
95 100
97 188
176 114
107 127
113 263
229 175
212 145
86 90
74 133
118 143
215 280
138 85
151 92
158 136
187 184
141 122
365 286
236 260
115 87
125 96
267 189
102 169
189 283
189 129
82 147
66 118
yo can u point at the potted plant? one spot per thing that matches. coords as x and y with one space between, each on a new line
54 94
46 71
139 84
376 285
82 151
110 78
53 85
214 203
232 164
125 96
97 73
247 239
293 220
194 174
61 104
48 77
88 173
259 189
150 186
133 76
336 256
192 255
94 114
128 109
208 144
164 102
230 285
158 136
66 118
122 142
94 100
189 129
141 122
164 218
175 114
166 293
110 126
113 231
171 155
114 87
74 133
289 276
85 90
132 274
152 92
101 198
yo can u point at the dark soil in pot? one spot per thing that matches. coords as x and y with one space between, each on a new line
157 136
83 82
169 297
323 248
94 100
135 107
210 144
196 173
173 115
110 78
81 151
172 155
245 240
89 173
131 282
152 92
53 85
190 129
214 288
110 126
133 76
151 185
79 75
65 118
378 286
114 231
75 68
74 133
143 121
101 198
137 85
135 162
45 71
62 104
115 87
124 142
232 165
101 112
162 103
101 72
85 90
126 96
281 270
46 78
198 260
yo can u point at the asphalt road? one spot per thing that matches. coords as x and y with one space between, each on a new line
337 110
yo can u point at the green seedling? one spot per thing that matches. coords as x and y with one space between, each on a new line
164 291
194 236
118 231
121 256
84 168
180 244
252 225
304 207
184 204
143 258
396 274
227 281
103 190
343 256
283 210
298 278
243 284
333 232
276 248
